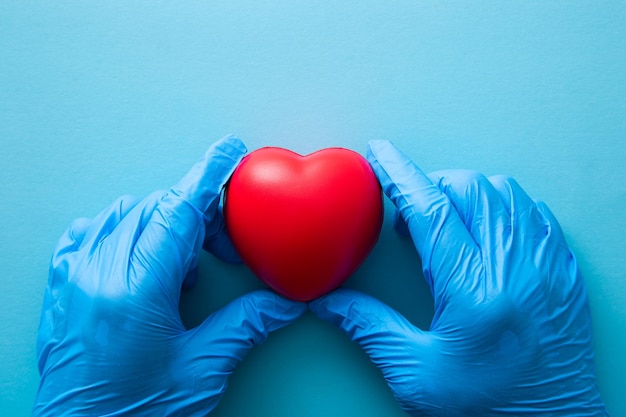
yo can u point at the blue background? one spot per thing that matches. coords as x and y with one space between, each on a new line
110 98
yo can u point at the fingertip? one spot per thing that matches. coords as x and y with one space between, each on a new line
554 227
338 295
351 310
396 172
377 327
87 231
233 141
249 319
77 230
202 184
384 150
277 306
512 195
380 152
261 312
376 145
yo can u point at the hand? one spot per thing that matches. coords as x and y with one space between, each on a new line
111 340
511 333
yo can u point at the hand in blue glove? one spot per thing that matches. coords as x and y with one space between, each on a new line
511 333
111 340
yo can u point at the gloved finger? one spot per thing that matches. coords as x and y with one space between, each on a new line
73 236
512 195
226 336
399 224
525 213
190 279
399 349
85 235
108 219
524 209
517 201
478 204
439 234
202 185
118 245
554 227
568 284
69 242
171 241
217 241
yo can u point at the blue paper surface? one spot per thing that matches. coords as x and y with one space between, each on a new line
110 98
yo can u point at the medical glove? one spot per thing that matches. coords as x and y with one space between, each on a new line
511 333
111 340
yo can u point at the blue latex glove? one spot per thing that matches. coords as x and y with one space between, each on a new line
111 340
511 333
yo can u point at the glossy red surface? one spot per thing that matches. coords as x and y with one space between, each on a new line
303 224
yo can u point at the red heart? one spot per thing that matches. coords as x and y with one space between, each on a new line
303 224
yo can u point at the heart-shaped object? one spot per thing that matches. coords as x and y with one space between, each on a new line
303 224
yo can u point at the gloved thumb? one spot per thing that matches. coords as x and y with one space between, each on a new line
395 346
226 336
